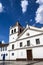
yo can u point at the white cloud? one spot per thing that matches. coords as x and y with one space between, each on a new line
39 1
1 7
24 4
39 12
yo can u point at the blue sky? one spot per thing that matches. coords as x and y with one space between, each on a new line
24 11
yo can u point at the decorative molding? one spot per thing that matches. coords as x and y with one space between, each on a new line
27 34
27 47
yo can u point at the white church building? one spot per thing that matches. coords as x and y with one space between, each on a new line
24 44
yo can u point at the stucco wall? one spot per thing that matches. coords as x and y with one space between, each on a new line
21 54
37 52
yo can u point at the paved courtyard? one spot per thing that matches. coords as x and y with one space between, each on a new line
21 63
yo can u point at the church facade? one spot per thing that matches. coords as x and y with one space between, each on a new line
24 44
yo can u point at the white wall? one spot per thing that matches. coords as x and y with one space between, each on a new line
21 54
24 42
11 56
37 52
13 37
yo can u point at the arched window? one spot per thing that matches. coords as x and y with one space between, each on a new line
12 31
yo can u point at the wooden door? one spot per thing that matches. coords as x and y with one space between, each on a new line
29 54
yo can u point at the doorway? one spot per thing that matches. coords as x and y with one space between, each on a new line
29 54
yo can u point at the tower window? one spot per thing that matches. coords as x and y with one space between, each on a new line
20 30
13 46
14 30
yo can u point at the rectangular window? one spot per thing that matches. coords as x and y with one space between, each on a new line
1 48
12 54
20 44
37 41
13 46
28 43
1 54
5 48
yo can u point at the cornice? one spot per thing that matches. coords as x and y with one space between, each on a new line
28 47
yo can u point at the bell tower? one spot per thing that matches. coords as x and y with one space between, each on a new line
15 31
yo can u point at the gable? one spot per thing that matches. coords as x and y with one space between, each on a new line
29 32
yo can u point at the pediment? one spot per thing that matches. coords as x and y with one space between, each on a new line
29 32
